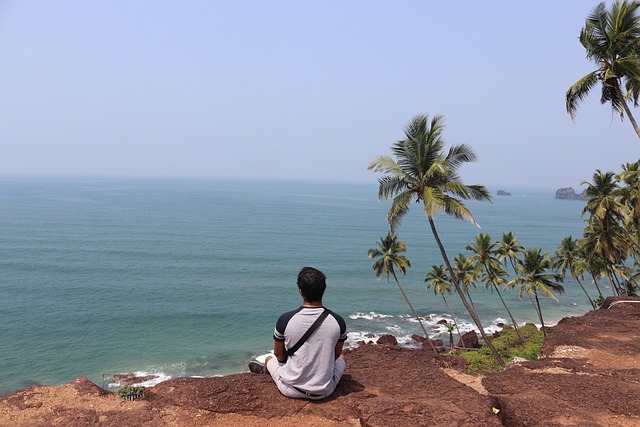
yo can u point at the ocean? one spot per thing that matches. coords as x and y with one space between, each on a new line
187 277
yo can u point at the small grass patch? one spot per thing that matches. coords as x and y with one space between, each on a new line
482 360
130 392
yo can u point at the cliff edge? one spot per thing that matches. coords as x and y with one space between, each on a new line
588 375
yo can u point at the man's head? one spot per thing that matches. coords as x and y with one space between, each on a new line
312 284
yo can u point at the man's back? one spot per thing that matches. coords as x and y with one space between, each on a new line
311 368
314 370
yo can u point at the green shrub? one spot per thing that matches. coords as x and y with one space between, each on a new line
481 361
598 301
130 392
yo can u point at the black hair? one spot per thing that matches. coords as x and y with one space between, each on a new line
312 284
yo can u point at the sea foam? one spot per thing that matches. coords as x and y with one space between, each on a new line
369 316
160 377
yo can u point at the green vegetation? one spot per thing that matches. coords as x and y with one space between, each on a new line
534 278
568 258
611 39
422 172
609 248
130 392
387 255
598 301
486 258
507 344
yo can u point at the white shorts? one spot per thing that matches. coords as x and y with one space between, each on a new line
273 366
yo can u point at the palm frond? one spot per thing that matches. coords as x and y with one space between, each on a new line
390 185
385 164
460 154
458 210
579 91
399 207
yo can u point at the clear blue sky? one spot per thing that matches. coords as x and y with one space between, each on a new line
297 89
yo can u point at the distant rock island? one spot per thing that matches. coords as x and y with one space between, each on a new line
503 193
568 193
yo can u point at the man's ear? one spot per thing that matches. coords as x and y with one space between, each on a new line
300 291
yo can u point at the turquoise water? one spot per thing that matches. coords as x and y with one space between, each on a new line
186 278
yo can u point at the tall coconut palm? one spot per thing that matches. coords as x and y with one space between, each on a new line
387 259
438 279
424 173
611 39
534 278
567 257
485 259
605 237
602 201
629 194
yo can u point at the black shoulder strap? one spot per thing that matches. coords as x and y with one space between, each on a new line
307 334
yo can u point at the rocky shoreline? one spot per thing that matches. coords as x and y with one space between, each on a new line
588 375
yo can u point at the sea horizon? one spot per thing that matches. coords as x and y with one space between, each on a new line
373 180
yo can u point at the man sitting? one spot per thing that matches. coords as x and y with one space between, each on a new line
314 370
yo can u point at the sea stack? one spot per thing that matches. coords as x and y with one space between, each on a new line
568 193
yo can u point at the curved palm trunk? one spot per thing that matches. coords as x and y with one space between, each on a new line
595 282
616 292
455 322
626 108
470 309
619 286
513 320
426 334
470 300
585 291
631 278
544 332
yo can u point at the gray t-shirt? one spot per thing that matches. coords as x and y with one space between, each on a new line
311 368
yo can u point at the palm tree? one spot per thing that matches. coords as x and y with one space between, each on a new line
591 264
533 278
568 258
611 39
605 237
450 326
387 254
463 269
509 248
424 173
438 279
630 196
485 259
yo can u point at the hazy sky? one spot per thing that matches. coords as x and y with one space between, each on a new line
297 89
